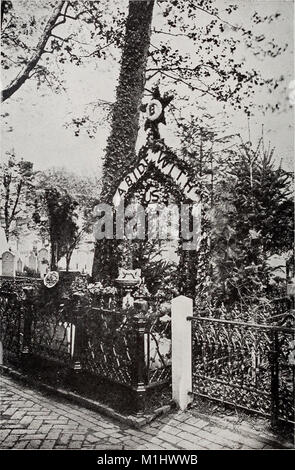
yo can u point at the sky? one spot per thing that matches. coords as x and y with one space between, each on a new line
35 126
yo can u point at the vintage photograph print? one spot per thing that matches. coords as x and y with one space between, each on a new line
147 229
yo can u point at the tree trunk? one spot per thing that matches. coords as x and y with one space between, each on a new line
53 260
120 151
68 259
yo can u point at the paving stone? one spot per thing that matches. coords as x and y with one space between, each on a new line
198 423
168 446
54 434
99 434
35 444
75 445
32 437
212 445
12 426
35 424
45 428
21 445
48 444
168 437
156 440
10 439
26 420
129 444
20 432
64 439
4 434
78 437
18 415
153 447
92 439
169 429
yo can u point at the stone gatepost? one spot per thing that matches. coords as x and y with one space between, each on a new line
182 307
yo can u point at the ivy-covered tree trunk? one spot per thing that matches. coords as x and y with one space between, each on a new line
120 151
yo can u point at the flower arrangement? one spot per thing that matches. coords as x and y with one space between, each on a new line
98 289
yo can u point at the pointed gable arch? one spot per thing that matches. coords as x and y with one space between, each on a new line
171 169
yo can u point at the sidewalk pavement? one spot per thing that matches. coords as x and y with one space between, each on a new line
32 420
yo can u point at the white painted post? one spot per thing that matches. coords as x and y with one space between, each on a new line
182 307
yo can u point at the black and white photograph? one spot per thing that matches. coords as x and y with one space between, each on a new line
147 229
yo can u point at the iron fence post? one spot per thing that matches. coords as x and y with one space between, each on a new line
28 320
77 337
274 378
139 365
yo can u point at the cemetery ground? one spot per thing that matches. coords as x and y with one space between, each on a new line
32 419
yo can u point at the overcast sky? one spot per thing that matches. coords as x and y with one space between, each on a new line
37 118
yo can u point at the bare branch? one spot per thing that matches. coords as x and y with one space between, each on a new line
168 33
192 87
232 26
13 212
58 37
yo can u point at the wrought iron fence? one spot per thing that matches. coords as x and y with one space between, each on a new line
40 327
50 335
244 364
11 323
111 342
127 347
107 344
281 307
158 350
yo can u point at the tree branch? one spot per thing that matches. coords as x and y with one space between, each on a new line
19 187
192 87
168 33
234 27
24 75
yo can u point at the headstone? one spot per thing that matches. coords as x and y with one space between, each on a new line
3 242
8 264
19 266
43 255
33 262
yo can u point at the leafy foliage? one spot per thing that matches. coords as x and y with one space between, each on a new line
253 220
64 210
16 194
30 37
218 41
248 215
59 222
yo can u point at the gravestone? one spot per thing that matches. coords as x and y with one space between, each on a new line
19 266
8 264
33 262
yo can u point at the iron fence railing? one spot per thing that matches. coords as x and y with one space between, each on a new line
159 350
11 323
131 348
119 345
108 344
246 365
